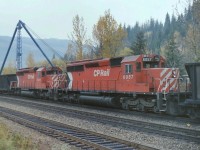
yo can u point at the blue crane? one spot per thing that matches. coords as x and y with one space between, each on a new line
18 28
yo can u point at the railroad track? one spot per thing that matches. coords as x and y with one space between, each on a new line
155 116
129 124
75 136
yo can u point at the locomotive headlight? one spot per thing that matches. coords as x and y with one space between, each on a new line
173 73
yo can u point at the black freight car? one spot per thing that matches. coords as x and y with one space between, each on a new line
193 103
6 81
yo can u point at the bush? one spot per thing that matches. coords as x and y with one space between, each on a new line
12 141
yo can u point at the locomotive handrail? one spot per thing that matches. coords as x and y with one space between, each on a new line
159 84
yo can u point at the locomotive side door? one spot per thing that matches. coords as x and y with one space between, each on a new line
128 77
40 74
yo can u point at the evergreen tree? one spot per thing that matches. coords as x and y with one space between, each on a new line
158 34
181 25
167 26
188 14
173 24
139 46
172 54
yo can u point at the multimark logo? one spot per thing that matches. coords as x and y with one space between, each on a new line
101 72
30 76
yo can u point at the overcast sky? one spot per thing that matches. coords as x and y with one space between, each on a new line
53 18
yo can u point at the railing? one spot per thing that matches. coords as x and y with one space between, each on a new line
158 89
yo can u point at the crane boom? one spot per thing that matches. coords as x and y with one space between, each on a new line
4 61
22 24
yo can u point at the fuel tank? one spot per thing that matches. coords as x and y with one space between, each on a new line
99 100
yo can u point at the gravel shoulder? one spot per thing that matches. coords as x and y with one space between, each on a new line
139 137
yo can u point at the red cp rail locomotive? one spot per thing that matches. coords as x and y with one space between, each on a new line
137 82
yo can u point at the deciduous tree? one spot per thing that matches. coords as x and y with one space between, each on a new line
59 63
30 62
79 35
109 35
10 68
70 55
193 35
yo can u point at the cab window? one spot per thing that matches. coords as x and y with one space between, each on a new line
43 74
128 68
39 74
150 64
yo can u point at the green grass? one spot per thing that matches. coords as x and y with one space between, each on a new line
13 141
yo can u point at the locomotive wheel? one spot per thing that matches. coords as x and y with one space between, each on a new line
155 109
45 95
140 107
193 113
55 97
125 105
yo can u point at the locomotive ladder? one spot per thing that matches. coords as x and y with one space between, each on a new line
164 102
164 99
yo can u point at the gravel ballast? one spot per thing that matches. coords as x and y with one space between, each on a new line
155 141
185 125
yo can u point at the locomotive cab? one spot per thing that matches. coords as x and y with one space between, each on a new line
146 78
43 71
153 61
142 72
49 77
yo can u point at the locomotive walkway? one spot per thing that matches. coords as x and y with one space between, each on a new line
76 136
140 126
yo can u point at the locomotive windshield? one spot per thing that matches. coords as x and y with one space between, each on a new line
151 61
150 64
51 71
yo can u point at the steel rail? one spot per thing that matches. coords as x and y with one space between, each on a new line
76 136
